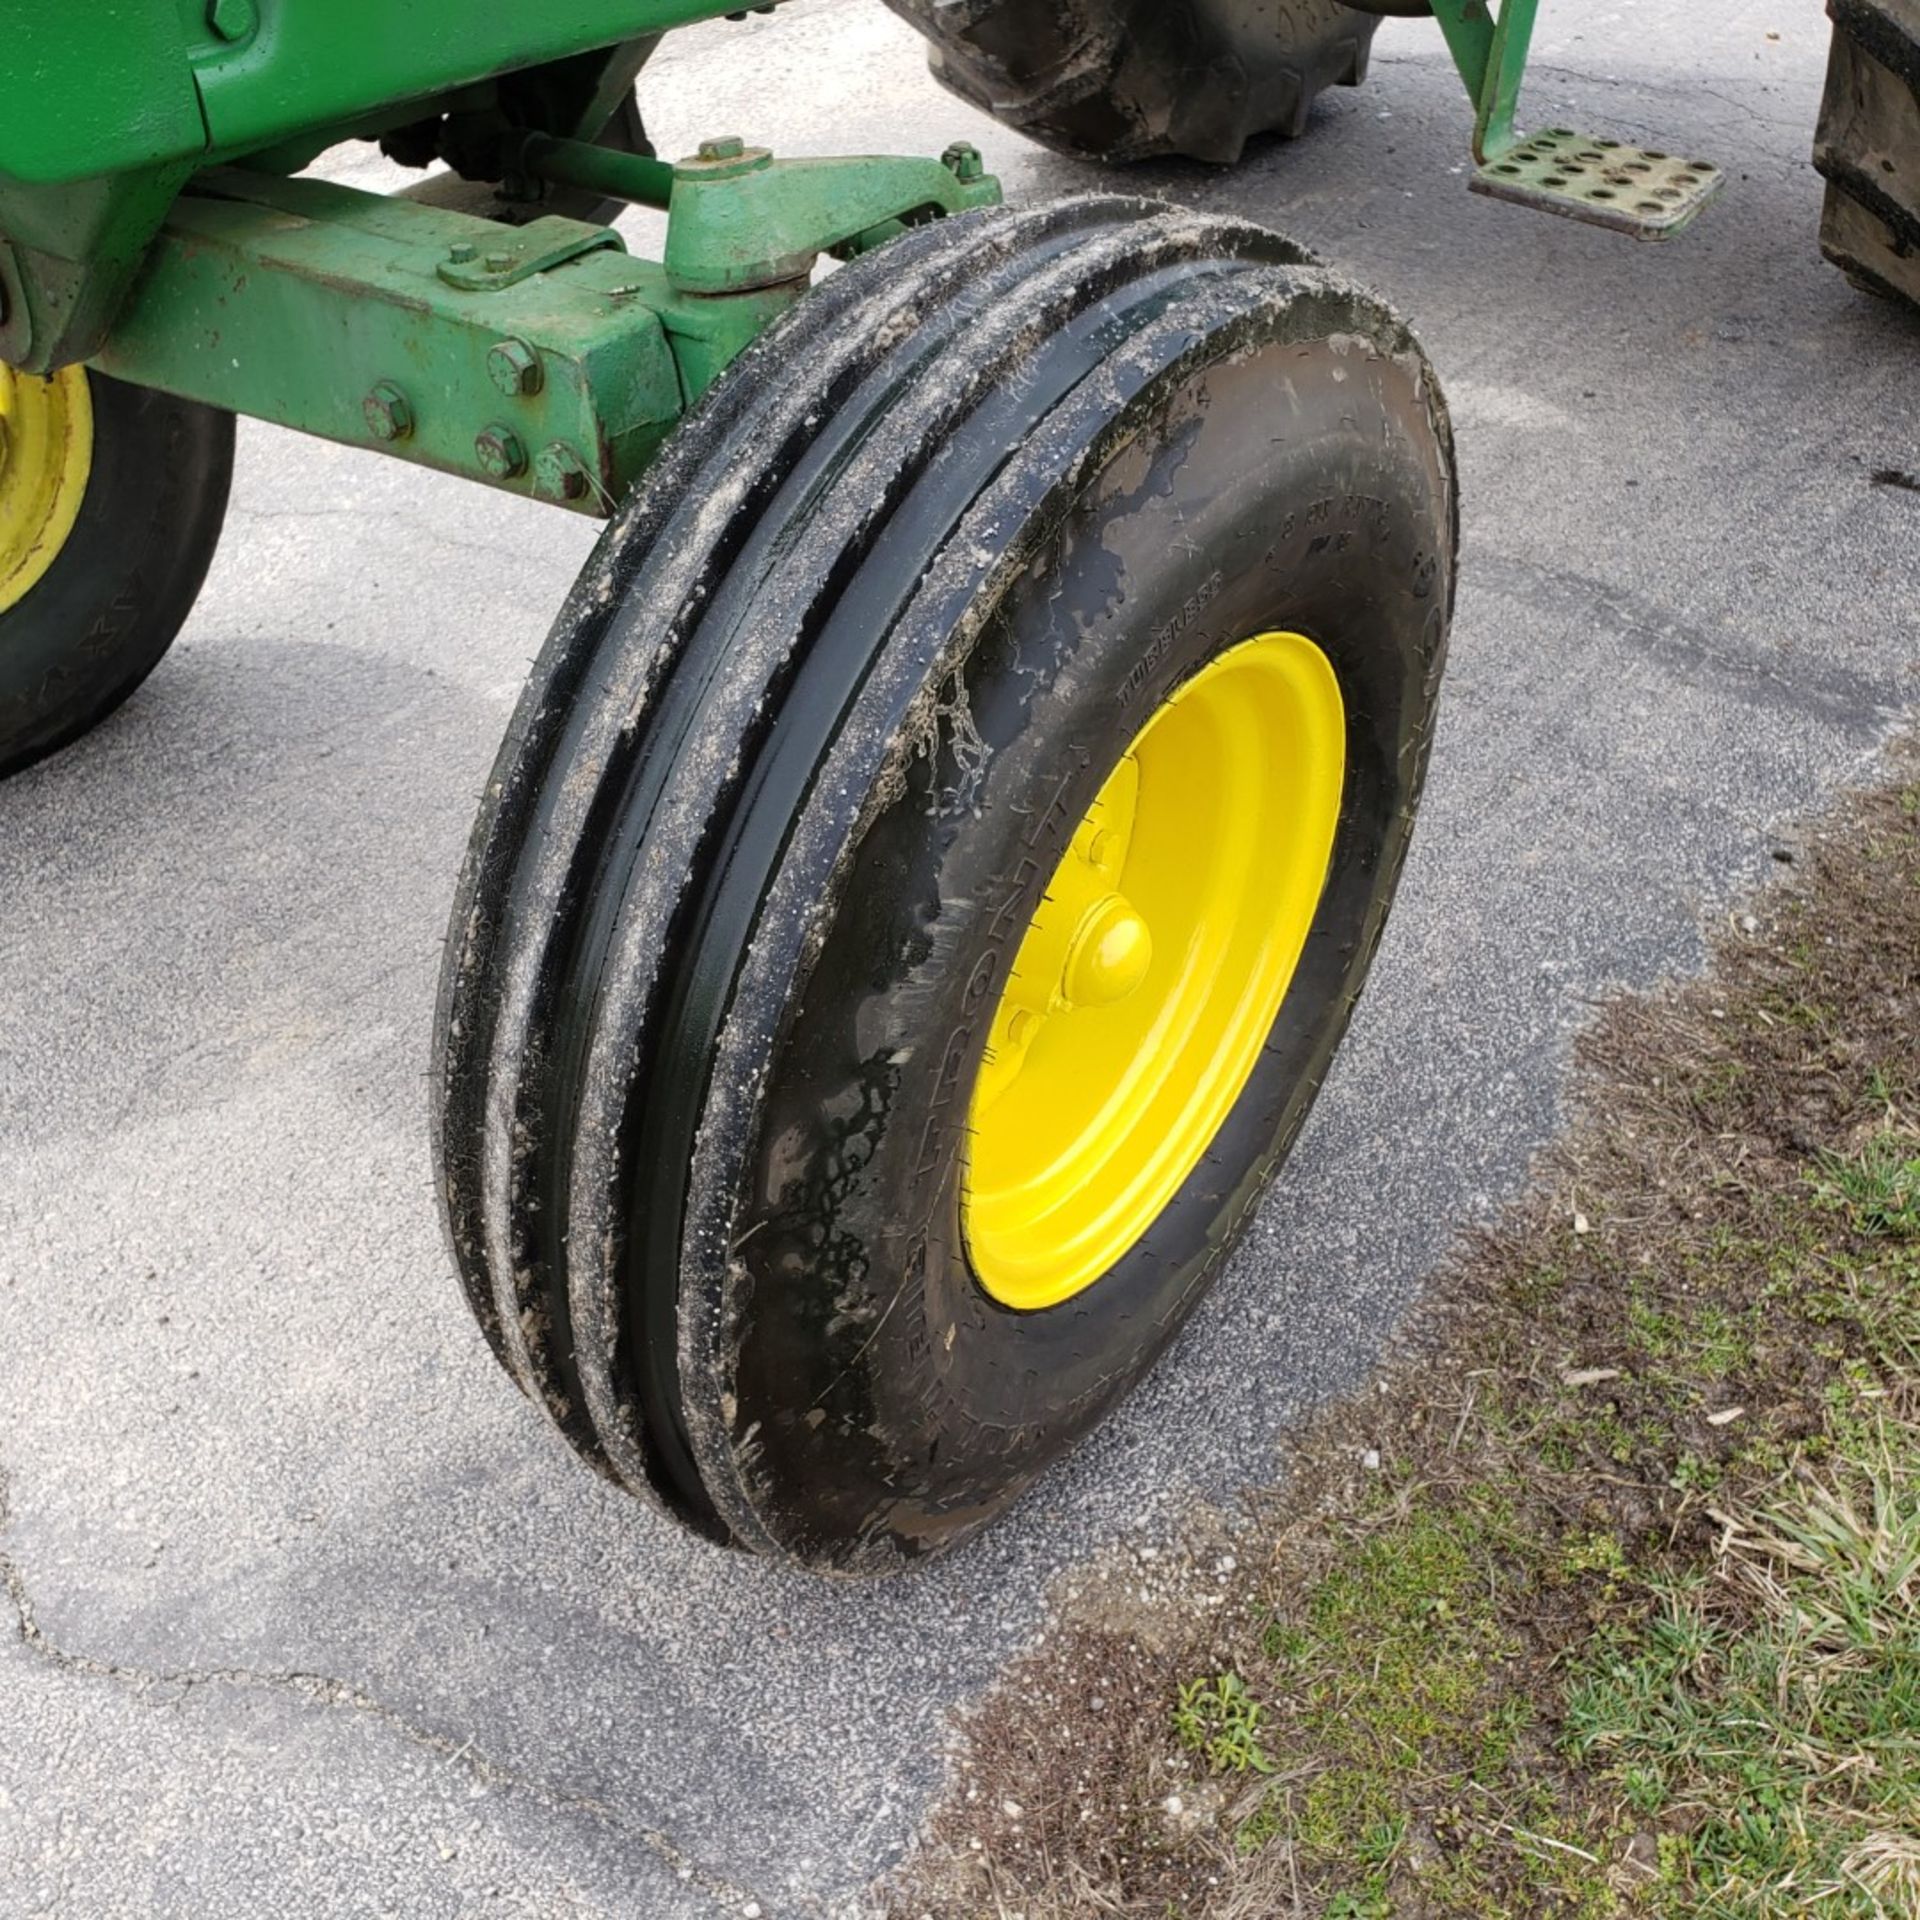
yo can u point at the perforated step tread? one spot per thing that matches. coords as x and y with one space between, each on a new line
1607 183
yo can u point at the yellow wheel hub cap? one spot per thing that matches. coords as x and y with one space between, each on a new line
46 454
1149 980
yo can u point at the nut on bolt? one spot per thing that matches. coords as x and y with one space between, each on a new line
559 473
500 453
963 161
514 368
727 158
389 415
232 19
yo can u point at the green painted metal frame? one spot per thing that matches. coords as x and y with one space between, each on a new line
1490 50
109 86
147 226
543 358
324 309
110 106
146 143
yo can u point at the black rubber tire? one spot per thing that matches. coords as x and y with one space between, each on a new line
803 745
1135 79
99 620
1867 148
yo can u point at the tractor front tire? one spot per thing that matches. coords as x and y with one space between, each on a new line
934 861
1120 80
112 499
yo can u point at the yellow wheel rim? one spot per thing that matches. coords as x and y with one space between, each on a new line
46 454
1148 982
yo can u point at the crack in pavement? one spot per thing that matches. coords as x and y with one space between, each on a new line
328 1691
1793 683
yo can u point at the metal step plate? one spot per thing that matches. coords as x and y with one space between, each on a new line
1636 190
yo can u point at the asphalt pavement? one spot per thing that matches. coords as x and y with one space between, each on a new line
324 1618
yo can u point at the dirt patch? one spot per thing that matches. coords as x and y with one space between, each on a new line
1534 1627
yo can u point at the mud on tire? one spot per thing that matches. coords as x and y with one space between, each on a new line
797 760
1132 79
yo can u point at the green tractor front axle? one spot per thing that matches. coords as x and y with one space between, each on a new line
152 226
542 358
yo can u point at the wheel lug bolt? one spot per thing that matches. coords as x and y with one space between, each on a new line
1111 952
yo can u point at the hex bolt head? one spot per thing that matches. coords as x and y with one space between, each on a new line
963 161
232 19
500 453
389 415
499 262
728 147
463 253
514 368
559 473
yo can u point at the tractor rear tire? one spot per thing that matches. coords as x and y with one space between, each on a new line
784 813
1122 80
1868 147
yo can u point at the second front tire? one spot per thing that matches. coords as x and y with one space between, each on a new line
112 498
934 863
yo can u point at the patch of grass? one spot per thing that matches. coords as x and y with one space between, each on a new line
1393 1670
1768 1716
1220 1720
1620 1618
1878 1188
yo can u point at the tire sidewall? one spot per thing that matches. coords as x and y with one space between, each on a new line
875 1385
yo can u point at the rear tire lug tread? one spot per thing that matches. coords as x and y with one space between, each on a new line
1867 148
1122 80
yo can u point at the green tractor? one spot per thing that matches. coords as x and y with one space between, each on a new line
942 841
